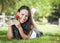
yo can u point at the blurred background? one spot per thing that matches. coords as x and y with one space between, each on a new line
46 16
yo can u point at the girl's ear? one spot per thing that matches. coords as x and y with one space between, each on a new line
17 15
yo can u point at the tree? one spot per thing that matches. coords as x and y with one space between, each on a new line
7 5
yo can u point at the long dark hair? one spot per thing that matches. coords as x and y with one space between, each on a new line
26 25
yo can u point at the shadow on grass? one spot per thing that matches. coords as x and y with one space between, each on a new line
3 35
50 34
46 37
3 32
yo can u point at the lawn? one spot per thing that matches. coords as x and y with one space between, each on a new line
51 35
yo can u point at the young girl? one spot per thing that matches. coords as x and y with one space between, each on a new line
23 27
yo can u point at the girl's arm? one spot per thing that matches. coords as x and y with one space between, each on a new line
33 10
23 35
33 22
9 33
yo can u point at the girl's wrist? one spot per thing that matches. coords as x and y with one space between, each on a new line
18 26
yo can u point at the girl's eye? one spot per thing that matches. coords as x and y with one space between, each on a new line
26 15
22 14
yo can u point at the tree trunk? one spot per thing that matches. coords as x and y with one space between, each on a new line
2 8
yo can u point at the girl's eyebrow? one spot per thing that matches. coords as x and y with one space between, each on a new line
25 13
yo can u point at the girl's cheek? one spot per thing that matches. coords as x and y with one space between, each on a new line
20 17
26 18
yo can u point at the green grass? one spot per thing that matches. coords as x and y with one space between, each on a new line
51 35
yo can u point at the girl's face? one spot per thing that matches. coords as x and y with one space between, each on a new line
23 15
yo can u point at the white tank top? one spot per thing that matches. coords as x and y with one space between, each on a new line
33 35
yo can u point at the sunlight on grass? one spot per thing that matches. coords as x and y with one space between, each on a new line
51 35
3 28
50 29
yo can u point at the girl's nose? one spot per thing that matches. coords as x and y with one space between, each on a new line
23 17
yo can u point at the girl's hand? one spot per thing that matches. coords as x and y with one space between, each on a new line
10 23
33 10
16 22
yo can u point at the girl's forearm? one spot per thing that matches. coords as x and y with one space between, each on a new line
9 33
33 22
23 35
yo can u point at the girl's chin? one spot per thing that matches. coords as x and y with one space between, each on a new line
21 22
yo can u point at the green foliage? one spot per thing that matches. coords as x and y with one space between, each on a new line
55 9
43 7
7 5
57 2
